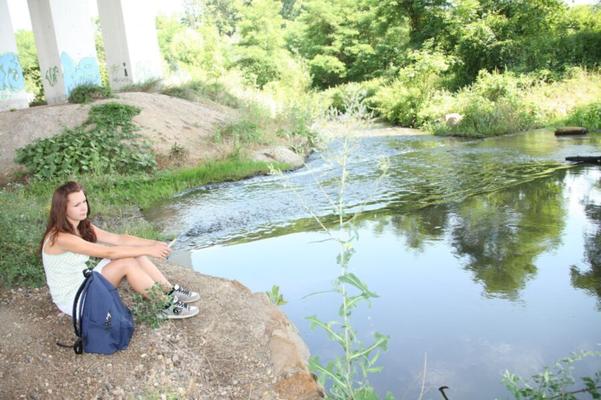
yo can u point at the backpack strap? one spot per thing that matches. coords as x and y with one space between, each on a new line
76 314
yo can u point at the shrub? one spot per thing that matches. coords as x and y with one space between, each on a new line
148 310
88 92
588 116
401 101
151 85
493 105
342 96
103 144
196 90
241 132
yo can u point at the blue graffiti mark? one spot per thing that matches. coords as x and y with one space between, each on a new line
11 74
86 71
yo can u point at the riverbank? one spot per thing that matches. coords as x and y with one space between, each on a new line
240 347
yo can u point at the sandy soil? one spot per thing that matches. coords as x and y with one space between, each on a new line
240 346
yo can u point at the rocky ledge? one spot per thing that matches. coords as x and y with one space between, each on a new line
240 346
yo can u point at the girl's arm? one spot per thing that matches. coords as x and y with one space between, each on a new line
121 240
75 244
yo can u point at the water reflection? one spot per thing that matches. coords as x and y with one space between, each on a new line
589 279
468 243
502 233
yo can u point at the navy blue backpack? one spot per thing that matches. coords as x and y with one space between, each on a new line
102 323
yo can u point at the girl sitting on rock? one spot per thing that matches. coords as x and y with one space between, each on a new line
71 239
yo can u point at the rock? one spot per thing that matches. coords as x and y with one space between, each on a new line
453 119
279 154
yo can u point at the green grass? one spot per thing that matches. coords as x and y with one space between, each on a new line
114 200
196 90
588 116
151 85
498 104
88 92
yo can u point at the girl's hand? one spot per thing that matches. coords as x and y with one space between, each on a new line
159 250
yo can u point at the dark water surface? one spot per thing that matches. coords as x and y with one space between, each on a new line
486 254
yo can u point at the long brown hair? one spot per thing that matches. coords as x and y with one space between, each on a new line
57 220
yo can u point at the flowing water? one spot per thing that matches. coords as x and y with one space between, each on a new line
485 254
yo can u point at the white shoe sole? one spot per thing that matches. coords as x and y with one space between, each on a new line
193 312
191 300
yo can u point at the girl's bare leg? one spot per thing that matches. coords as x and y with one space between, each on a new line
128 268
152 271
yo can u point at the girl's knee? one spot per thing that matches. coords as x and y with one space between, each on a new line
122 263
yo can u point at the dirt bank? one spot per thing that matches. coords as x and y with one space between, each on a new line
167 123
240 346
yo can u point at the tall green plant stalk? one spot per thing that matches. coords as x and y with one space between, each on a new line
347 375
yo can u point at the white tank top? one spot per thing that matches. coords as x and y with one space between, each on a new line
64 276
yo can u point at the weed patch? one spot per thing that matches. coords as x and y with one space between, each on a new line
89 92
103 144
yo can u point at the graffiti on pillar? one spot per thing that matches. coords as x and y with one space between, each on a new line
119 74
51 75
85 71
11 74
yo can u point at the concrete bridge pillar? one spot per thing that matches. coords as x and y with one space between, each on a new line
66 48
12 84
130 41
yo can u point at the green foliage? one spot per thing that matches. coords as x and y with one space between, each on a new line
103 144
345 40
588 116
344 96
196 90
115 202
28 58
494 105
150 85
275 296
241 132
401 101
261 42
88 92
149 310
167 28
556 382
346 375
100 53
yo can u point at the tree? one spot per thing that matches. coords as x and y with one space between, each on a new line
28 58
261 43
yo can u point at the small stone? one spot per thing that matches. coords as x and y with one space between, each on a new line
144 355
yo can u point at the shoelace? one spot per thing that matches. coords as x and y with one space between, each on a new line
181 304
183 290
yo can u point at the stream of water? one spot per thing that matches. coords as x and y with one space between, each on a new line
485 254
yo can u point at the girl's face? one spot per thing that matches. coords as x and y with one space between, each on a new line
77 206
